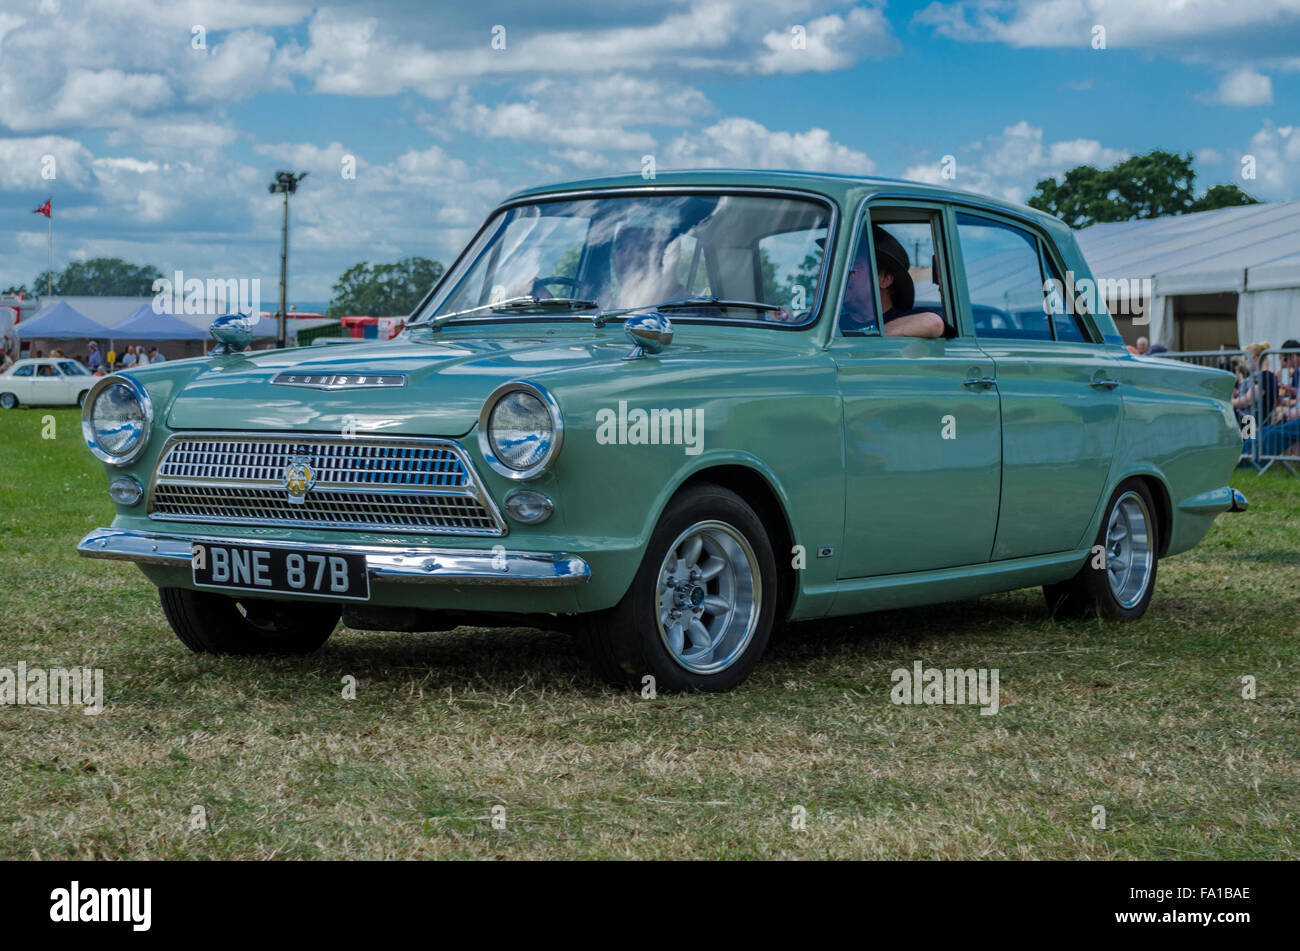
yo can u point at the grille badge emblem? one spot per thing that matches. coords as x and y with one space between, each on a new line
299 477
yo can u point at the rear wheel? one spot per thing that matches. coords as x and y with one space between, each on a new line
699 611
210 623
1119 576
8 401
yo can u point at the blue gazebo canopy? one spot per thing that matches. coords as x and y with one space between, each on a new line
62 322
145 324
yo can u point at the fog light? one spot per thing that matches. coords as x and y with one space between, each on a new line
125 490
530 508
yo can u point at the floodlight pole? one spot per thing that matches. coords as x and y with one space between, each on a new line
285 183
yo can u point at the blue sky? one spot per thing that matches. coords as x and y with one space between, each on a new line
162 145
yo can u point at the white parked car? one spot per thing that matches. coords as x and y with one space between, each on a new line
51 381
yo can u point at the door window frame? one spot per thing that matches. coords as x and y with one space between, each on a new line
938 212
1047 252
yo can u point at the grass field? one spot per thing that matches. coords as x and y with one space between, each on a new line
1146 720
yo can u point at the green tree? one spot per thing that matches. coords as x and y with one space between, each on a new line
1153 185
383 290
101 277
15 289
1222 196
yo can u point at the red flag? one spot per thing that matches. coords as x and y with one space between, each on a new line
45 209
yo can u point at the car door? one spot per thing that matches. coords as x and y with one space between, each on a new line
20 382
1061 406
922 428
47 385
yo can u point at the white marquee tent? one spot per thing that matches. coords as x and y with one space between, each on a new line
1252 251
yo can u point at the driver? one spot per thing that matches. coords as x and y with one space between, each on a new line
897 293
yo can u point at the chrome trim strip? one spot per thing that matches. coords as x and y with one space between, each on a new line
476 491
666 188
384 563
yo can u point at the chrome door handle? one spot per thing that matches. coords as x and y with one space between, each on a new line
1104 384
983 381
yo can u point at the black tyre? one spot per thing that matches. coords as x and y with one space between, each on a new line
8 401
1118 578
81 398
210 623
699 612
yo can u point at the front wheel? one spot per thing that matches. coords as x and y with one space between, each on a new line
210 623
699 611
8 401
81 398
1119 576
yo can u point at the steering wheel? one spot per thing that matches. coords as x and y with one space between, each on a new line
540 283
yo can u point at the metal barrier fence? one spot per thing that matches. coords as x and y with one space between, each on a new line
1269 415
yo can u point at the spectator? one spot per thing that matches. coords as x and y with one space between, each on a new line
5 361
1140 348
156 357
1256 395
1289 385
94 361
128 358
1157 348
38 355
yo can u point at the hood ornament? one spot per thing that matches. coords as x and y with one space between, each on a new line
233 332
649 333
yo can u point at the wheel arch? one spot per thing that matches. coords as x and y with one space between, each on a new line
1159 489
760 490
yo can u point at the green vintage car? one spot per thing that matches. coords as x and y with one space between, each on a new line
669 414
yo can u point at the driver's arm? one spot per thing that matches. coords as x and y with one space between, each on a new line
927 324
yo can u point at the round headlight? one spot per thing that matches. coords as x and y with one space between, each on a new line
520 430
115 420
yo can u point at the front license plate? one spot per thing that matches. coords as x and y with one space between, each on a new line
280 571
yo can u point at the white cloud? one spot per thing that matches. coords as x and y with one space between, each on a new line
744 143
23 163
1010 164
1276 150
1039 23
1245 87
828 43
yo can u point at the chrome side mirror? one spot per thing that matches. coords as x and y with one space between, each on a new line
649 333
233 332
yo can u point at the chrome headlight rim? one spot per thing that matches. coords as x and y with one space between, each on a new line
497 464
88 426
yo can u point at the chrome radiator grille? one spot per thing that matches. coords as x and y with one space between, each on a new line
362 483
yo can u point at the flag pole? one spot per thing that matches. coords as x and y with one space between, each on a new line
49 265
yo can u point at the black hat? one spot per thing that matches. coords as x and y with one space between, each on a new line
892 258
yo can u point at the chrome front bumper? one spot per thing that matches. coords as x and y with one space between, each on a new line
447 566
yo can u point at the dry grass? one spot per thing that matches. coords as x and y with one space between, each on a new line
1146 720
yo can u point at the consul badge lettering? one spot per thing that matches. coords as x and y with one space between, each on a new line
338 381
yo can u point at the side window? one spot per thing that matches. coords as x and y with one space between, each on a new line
25 371
1004 279
904 279
71 369
1015 289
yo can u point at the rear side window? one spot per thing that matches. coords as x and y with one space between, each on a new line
1007 277
25 371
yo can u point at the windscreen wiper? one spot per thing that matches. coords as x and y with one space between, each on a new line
680 303
510 303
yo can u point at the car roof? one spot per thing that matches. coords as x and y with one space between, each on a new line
837 187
